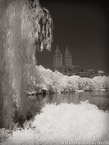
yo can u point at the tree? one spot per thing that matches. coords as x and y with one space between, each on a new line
25 27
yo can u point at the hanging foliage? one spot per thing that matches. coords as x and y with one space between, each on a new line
25 27
40 25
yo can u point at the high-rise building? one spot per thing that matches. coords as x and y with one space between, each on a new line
65 68
67 58
57 59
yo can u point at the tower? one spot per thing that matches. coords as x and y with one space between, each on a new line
67 58
57 59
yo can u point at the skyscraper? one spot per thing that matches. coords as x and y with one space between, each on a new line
67 58
65 68
57 59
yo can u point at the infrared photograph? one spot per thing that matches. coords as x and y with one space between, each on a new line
54 72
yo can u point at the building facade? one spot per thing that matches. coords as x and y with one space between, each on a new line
57 59
64 65
67 58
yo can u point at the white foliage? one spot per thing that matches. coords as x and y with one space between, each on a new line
64 123
62 83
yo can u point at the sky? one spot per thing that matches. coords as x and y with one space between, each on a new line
82 27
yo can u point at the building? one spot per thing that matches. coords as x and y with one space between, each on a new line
67 58
57 59
64 66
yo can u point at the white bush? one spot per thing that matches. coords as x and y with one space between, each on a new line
57 82
64 123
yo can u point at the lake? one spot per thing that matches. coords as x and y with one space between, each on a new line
101 99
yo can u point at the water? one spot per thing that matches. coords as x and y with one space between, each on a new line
101 99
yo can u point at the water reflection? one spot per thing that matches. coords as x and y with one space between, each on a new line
101 99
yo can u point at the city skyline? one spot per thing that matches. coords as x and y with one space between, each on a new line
83 28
